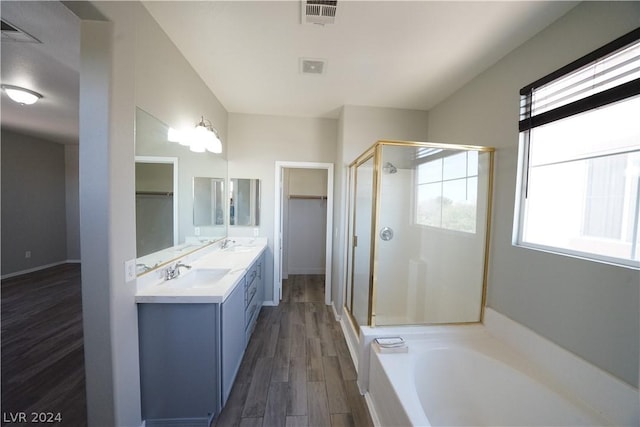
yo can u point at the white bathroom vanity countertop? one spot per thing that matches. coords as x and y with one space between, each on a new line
241 254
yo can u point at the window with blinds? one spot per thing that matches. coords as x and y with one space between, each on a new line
579 191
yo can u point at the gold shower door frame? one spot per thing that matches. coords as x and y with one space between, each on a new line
375 152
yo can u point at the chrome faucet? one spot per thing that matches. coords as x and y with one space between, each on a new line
173 271
143 267
225 243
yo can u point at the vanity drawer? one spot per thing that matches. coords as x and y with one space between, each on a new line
254 296
251 313
250 286
251 316
250 293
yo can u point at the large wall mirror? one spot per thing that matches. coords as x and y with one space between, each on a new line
244 202
180 196
208 201
156 204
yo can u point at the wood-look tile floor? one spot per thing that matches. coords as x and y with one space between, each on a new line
42 345
296 370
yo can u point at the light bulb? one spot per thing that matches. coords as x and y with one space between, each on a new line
174 135
21 95
216 145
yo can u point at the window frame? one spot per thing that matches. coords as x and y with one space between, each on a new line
624 91
466 177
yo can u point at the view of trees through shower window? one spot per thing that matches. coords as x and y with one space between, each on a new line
447 189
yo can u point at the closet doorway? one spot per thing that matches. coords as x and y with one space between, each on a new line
303 223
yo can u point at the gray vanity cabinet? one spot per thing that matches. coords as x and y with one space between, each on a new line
239 316
233 337
254 296
179 370
190 353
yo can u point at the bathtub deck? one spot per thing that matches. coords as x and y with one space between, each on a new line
444 377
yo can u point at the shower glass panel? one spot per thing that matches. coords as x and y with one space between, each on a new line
349 252
363 215
419 231
435 201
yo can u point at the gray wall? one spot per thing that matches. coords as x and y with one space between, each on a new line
33 202
589 308
258 142
72 188
358 129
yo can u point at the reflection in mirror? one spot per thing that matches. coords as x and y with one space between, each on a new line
180 235
244 204
208 201
156 204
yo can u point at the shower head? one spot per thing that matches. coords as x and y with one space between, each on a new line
389 168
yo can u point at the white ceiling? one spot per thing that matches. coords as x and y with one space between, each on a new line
50 68
400 54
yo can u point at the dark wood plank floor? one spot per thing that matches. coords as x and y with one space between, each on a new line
42 345
296 370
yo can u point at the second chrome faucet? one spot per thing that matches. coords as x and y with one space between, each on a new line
173 271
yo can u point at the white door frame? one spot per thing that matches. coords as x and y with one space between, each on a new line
174 162
277 227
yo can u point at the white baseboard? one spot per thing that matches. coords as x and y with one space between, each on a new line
269 303
38 268
335 312
348 337
372 410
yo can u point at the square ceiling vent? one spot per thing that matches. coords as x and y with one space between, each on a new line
321 12
14 34
312 66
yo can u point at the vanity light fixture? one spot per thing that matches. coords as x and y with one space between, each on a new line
174 135
21 95
204 137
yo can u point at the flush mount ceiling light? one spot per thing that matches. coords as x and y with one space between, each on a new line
21 95
204 137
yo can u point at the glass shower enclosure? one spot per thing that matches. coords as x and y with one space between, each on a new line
418 218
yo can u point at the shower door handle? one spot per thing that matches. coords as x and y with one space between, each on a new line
386 234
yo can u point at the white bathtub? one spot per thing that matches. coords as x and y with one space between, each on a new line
463 376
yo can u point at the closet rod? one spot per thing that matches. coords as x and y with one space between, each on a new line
292 196
154 193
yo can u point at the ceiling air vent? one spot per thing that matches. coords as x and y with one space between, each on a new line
312 66
319 12
12 33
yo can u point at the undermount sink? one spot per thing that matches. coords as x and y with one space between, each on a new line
238 249
198 278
